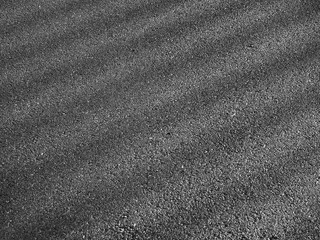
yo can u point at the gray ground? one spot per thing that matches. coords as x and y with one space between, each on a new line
158 119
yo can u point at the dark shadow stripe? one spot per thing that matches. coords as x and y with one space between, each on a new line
199 97
103 24
149 122
163 70
109 201
305 229
219 141
262 186
268 183
95 27
48 225
94 63
118 17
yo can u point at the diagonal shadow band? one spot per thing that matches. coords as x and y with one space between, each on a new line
148 123
294 107
75 110
89 64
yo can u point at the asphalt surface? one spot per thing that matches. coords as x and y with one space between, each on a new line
158 119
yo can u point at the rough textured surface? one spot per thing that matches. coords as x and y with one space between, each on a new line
158 119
